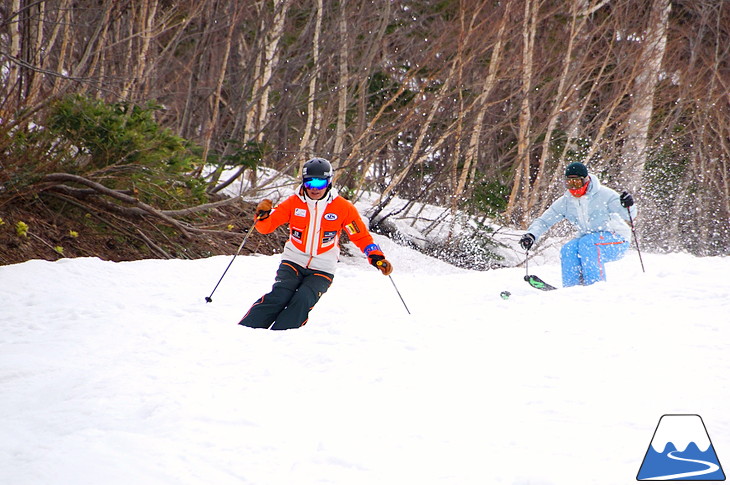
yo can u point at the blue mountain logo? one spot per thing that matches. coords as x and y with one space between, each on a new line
681 450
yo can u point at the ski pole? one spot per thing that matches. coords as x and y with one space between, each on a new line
379 263
209 299
633 229
401 298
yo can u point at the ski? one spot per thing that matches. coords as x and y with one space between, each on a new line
537 282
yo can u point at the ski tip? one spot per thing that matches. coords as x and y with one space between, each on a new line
527 277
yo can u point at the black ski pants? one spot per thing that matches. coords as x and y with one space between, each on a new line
295 292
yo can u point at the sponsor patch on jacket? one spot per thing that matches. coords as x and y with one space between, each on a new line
352 228
300 212
328 238
330 216
296 234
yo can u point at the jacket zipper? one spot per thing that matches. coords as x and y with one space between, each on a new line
311 247
583 213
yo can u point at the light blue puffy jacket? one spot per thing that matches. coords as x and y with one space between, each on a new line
598 210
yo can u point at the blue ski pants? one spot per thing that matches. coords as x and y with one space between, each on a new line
295 292
582 259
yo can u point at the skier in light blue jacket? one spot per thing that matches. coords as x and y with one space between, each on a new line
601 217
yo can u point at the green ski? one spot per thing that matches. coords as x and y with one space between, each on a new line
537 282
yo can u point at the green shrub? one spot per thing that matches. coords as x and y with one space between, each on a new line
117 134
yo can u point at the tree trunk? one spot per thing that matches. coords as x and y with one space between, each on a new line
36 55
220 79
306 145
472 153
519 196
637 124
560 99
341 88
66 42
269 62
14 72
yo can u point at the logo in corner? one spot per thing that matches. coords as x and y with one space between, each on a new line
680 450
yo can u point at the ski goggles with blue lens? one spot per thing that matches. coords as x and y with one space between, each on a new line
316 183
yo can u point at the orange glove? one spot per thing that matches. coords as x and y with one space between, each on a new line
382 264
263 209
377 259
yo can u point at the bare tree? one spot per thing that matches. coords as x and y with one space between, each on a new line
519 196
421 100
306 146
649 66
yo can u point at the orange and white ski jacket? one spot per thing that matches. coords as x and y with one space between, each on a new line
315 227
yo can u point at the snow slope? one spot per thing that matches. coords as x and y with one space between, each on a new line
120 373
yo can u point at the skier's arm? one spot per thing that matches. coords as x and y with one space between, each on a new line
552 215
361 237
355 228
278 216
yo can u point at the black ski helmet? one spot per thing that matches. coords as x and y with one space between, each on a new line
317 168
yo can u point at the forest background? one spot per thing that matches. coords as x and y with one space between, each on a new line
112 112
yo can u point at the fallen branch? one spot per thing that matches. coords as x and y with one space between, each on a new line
61 196
84 193
152 245
67 177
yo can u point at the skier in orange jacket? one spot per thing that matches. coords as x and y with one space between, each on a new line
316 215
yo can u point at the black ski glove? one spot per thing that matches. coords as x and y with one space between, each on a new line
527 241
626 200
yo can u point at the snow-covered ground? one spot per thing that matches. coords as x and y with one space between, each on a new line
120 373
